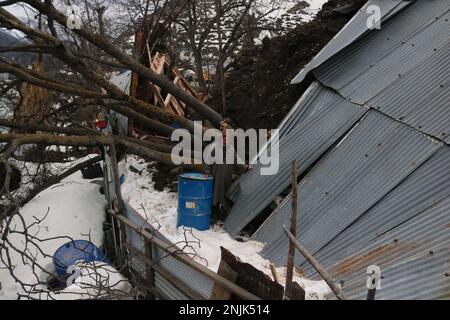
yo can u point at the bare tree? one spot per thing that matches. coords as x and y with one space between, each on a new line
213 30
72 76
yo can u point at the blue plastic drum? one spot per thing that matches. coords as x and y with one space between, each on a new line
195 191
77 250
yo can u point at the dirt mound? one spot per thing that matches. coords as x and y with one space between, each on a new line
258 90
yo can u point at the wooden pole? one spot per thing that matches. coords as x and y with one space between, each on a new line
291 252
121 259
309 257
149 270
274 273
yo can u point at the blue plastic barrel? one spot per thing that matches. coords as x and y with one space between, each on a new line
73 251
195 200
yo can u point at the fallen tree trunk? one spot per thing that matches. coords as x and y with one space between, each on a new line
96 140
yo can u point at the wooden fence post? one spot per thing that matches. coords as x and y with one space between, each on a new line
291 253
149 270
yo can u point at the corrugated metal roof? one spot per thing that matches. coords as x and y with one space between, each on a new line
169 291
403 59
354 29
324 118
373 159
423 189
378 45
422 97
400 69
381 196
414 258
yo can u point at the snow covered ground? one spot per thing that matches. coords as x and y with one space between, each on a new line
96 280
160 209
73 208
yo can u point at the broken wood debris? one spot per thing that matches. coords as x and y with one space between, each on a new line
255 281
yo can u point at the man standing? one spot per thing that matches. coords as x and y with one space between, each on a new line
222 174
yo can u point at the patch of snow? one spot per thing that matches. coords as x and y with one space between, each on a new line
160 210
97 280
73 208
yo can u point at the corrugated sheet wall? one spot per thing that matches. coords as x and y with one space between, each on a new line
184 273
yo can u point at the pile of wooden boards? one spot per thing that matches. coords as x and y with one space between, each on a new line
160 64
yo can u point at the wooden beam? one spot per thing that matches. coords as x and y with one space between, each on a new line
291 252
274 273
219 292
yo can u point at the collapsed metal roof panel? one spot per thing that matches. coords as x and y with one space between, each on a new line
395 37
422 190
371 161
381 196
414 259
353 30
405 58
422 97
400 69
328 118
303 108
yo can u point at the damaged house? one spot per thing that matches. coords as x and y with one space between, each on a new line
371 140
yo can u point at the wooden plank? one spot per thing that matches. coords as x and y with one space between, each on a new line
371 293
167 101
252 279
177 107
294 292
219 292
160 64
274 273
